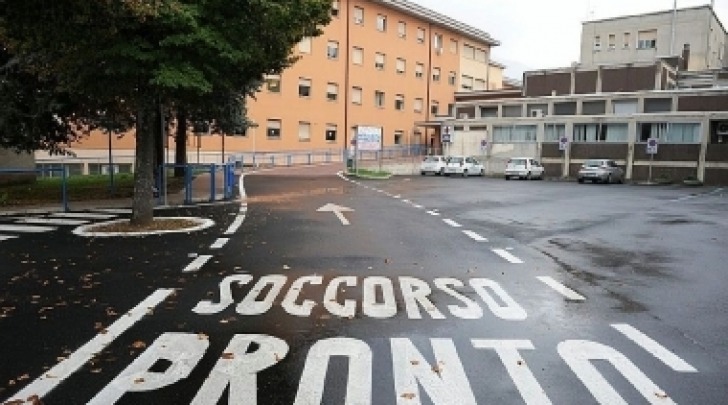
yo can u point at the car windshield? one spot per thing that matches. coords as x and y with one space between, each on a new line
518 162
455 160
592 163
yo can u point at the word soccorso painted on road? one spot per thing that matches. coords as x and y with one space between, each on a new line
246 355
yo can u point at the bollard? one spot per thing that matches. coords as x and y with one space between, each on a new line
64 189
212 182
188 184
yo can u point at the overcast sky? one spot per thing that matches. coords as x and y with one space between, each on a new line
541 34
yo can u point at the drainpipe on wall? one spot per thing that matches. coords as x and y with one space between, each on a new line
346 86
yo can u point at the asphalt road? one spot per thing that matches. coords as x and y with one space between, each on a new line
415 290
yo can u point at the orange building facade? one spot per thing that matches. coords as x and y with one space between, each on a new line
383 63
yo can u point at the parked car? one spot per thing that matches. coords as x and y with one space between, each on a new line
524 168
434 164
464 166
600 170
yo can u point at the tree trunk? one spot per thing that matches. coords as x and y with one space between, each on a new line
180 144
142 202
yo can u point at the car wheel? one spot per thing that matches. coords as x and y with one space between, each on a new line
609 179
528 176
581 181
465 173
441 172
447 174
507 177
482 172
423 173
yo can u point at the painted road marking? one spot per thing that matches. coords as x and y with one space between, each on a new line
219 243
52 221
197 264
434 213
114 210
27 228
452 223
83 215
338 210
507 256
51 378
474 236
235 225
655 349
418 206
562 289
7 237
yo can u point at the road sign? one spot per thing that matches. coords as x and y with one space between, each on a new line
446 134
652 146
563 143
483 144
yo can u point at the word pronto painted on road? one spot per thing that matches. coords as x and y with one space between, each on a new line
378 298
444 380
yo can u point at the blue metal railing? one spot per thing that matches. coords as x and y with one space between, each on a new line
228 180
64 179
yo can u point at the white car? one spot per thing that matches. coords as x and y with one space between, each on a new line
464 166
524 168
434 164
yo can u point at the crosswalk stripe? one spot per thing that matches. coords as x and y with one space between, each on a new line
27 228
7 237
507 256
475 236
114 210
562 289
52 221
83 215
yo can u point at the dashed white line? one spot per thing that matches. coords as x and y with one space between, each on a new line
507 256
452 223
27 228
475 236
51 378
82 215
52 221
397 196
197 264
660 352
219 243
562 289
7 237
235 225
434 213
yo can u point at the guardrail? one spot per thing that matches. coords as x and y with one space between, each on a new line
64 180
192 192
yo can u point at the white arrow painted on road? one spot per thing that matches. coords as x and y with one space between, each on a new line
338 211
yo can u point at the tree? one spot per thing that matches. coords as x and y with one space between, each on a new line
138 55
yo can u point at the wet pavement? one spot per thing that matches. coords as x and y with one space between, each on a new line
412 290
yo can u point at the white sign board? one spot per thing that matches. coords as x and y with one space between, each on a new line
563 143
652 146
446 134
368 138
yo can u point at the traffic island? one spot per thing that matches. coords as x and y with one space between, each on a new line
160 225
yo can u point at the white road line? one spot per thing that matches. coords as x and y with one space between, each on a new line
52 221
397 196
83 215
475 236
51 378
654 348
434 213
452 223
197 264
507 256
235 225
562 289
7 237
407 201
114 210
219 243
418 206
27 228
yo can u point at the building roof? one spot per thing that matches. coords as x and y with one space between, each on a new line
433 17
670 11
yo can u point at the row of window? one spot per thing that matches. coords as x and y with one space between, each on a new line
592 107
274 131
676 133
646 39
469 51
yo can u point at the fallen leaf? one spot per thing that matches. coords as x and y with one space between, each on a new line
139 345
228 356
414 362
139 380
408 395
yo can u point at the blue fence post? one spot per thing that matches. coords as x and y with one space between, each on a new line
64 189
188 185
289 160
231 182
212 182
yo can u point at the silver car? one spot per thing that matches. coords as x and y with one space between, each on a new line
434 164
600 171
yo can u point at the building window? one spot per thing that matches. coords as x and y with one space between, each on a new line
419 70
452 78
304 131
305 45
273 83
379 99
437 42
600 133
379 60
435 108
597 43
357 56
304 87
398 137
612 44
647 39
332 91
332 50
468 52
356 95
420 35
418 105
274 129
399 102
514 133
358 15
330 134
453 46
669 132
402 29
479 85
481 55
553 132
627 40
466 83
436 74
335 5
401 66
381 23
